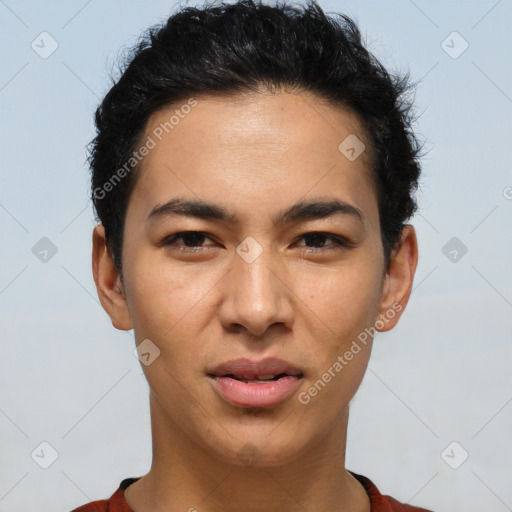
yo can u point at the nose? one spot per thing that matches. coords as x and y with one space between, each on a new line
256 296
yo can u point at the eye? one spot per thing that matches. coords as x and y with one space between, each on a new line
192 241
317 238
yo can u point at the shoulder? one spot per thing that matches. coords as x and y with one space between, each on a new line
116 502
94 506
384 503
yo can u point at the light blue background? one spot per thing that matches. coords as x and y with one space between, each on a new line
70 379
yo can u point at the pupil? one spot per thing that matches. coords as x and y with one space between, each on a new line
318 238
194 236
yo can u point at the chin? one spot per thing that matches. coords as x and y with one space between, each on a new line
258 451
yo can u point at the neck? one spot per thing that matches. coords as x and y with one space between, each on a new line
185 476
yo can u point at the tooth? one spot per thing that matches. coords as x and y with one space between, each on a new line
265 377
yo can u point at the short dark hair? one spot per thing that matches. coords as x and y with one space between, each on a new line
234 48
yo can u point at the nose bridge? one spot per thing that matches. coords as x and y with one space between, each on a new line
255 297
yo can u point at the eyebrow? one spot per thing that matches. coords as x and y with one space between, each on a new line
300 211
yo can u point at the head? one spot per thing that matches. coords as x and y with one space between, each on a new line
275 135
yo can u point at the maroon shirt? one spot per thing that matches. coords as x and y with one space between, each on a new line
378 502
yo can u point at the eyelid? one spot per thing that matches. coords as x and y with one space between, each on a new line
339 241
168 240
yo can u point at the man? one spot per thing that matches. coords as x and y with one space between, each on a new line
252 174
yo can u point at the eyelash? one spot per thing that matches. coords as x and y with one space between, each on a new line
339 242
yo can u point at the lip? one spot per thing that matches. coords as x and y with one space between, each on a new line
247 369
255 393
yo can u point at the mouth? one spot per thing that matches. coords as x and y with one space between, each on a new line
259 378
265 369
246 383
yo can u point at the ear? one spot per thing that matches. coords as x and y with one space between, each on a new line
397 283
108 282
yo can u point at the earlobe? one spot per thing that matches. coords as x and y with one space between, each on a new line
397 285
108 282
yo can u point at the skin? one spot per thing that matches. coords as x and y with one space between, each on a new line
255 154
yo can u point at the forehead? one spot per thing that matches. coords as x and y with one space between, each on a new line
261 149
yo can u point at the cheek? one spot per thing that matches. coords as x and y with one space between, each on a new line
346 303
169 307
162 296
346 299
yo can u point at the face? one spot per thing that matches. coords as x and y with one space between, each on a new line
260 273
